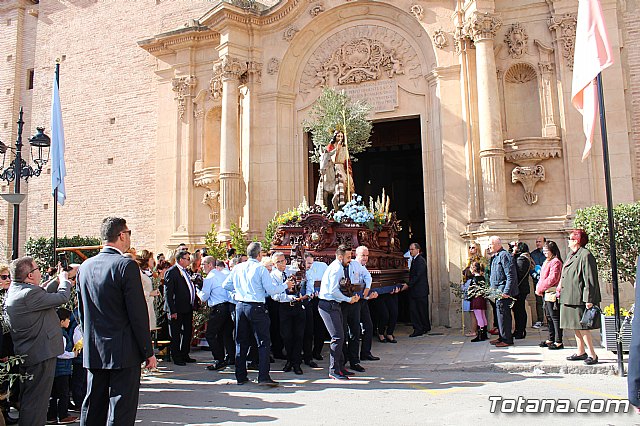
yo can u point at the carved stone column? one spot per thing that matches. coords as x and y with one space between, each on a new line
228 71
482 28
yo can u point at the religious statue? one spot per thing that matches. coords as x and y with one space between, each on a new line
336 176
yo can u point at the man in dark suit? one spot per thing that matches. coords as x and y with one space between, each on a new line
115 324
35 330
633 376
180 299
418 292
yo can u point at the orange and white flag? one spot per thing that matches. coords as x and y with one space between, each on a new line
592 55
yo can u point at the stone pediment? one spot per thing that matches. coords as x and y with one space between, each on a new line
360 54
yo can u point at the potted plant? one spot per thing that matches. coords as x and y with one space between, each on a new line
609 328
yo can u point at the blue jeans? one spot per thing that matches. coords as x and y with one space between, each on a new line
252 318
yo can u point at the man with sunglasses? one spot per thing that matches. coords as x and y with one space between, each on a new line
115 325
35 330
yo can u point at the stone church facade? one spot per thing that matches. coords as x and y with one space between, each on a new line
183 113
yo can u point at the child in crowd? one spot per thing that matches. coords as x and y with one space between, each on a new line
59 402
478 302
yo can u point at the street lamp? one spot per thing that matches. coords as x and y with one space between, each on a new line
19 169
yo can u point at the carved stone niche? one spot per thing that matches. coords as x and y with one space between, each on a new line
527 154
209 179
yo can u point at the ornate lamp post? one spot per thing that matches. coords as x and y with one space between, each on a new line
19 169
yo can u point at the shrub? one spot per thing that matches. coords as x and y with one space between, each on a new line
627 222
41 249
214 247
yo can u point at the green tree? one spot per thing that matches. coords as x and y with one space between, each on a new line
269 232
332 111
238 239
627 237
214 247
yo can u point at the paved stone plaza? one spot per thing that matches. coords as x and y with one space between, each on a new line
435 379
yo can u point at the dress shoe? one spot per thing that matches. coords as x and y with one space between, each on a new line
318 357
370 358
190 360
591 361
503 344
269 383
382 339
494 341
391 339
494 331
242 382
555 347
67 420
336 376
287 367
312 364
180 363
358 368
297 370
415 334
520 335
253 366
218 365
576 357
545 343
346 372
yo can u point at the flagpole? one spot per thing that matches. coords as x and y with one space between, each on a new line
612 239
55 192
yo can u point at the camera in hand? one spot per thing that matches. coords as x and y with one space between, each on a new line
64 261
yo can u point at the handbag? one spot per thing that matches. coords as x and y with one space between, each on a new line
591 319
550 297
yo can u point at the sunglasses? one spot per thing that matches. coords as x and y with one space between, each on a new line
128 231
5 277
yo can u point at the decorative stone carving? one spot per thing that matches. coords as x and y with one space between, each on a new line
565 28
183 86
440 39
458 39
358 54
526 153
228 67
254 69
516 39
417 11
316 9
209 178
528 177
273 66
520 73
289 33
481 26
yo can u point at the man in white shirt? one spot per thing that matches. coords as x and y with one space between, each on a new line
330 311
362 257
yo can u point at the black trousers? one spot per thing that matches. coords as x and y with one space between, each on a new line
539 308
331 314
352 332
552 309
495 313
274 329
419 313
219 333
59 402
292 325
504 320
320 332
520 315
181 330
387 312
112 396
367 325
78 383
307 341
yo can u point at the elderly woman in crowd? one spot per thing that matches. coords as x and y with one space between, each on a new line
547 288
580 291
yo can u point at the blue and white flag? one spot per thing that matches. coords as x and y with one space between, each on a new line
58 170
